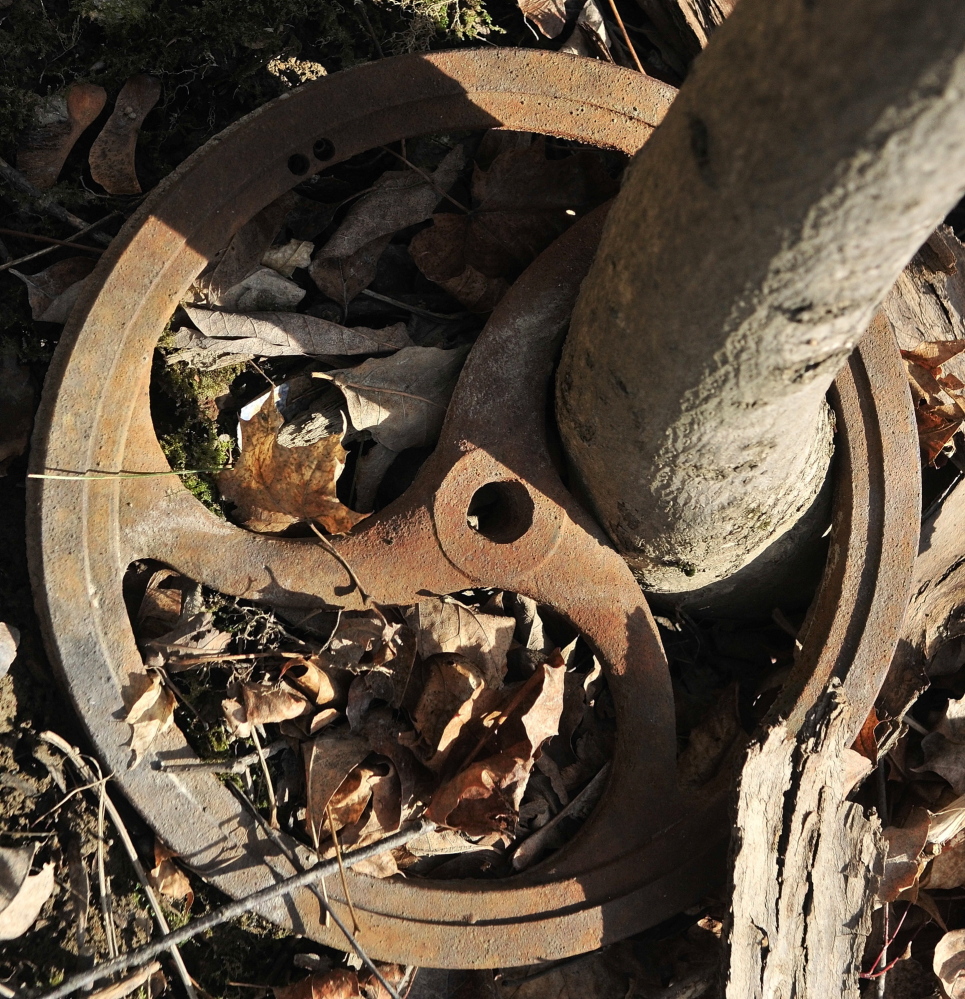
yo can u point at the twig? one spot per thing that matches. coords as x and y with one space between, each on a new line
425 176
87 477
17 180
333 551
414 309
626 36
341 866
142 955
270 788
224 766
73 754
54 243
103 885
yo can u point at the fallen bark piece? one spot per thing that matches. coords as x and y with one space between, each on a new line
59 125
112 154
276 334
813 900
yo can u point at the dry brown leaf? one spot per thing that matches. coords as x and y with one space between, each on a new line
112 154
589 37
373 685
944 748
235 718
243 252
160 607
351 798
192 636
866 743
520 205
358 633
401 198
295 254
947 870
263 290
448 626
314 680
904 862
151 712
485 796
21 908
548 15
712 741
401 400
9 641
276 334
949 963
451 681
335 984
57 127
329 759
150 975
52 292
273 486
168 879
17 399
268 703
939 410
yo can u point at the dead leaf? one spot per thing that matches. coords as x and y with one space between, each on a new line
193 635
350 798
168 879
296 253
944 748
267 703
279 334
448 626
329 759
59 124
949 963
589 37
856 767
357 634
160 607
401 400
263 290
374 684
235 718
401 198
243 252
21 908
520 205
273 486
151 975
335 984
713 741
314 680
53 292
451 680
485 796
548 15
939 410
150 714
866 743
947 870
9 641
904 862
112 154
17 399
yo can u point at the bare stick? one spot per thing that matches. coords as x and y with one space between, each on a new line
341 866
428 179
142 955
333 551
17 180
73 754
262 760
224 766
34 237
414 309
103 885
626 37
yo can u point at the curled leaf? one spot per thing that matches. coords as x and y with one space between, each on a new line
150 714
267 703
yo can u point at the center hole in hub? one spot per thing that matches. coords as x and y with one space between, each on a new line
501 511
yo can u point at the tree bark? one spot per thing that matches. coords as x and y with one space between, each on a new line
814 147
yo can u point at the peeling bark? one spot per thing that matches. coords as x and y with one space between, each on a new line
806 866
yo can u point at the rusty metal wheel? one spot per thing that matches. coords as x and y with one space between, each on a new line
646 852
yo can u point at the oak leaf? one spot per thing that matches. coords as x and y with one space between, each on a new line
151 712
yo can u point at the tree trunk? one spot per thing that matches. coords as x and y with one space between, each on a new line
814 147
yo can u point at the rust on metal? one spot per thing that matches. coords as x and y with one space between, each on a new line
647 851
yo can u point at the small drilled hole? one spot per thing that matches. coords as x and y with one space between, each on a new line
501 511
324 149
298 164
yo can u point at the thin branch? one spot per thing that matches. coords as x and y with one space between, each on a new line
54 243
103 884
20 183
626 37
142 955
270 788
414 309
224 766
73 754
333 551
428 178
341 865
